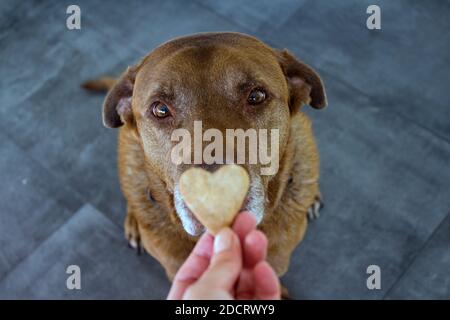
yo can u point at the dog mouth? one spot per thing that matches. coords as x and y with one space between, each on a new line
252 203
190 222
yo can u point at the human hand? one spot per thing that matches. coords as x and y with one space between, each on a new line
230 266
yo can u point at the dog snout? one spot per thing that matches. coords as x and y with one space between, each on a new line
209 167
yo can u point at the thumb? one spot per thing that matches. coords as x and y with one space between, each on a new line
218 281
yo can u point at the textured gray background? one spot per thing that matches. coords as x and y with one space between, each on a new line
383 140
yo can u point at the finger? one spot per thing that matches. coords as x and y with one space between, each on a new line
243 224
225 266
255 248
267 285
193 267
245 289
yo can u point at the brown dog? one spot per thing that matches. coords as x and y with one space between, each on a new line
226 80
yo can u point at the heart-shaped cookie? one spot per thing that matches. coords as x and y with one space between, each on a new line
215 198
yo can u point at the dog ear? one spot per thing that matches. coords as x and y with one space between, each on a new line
117 105
305 85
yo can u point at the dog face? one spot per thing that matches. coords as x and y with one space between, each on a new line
226 81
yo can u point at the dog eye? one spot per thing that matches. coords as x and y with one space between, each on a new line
160 110
256 96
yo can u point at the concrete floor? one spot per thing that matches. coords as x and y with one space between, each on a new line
383 140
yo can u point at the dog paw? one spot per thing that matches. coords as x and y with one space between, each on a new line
314 209
132 234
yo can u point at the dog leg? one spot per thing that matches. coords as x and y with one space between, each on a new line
132 232
314 209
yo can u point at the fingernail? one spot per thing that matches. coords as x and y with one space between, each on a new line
223 240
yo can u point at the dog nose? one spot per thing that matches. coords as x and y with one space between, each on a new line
209 167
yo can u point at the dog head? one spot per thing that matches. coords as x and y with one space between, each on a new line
212 83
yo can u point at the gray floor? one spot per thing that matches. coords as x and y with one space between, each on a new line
384 143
